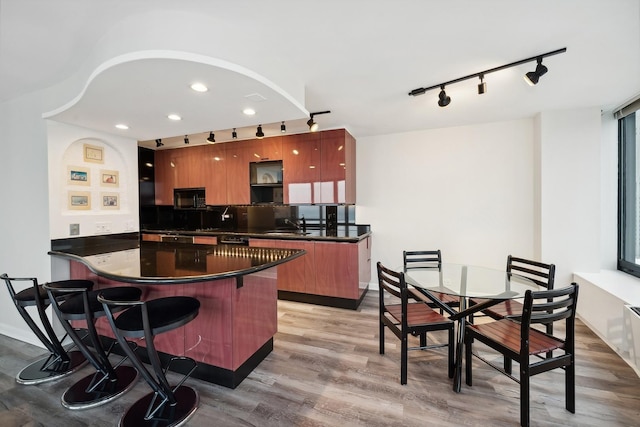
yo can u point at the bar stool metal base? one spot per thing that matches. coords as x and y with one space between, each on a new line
171 416
78 395
50 368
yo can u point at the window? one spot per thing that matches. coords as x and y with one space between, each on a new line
629 191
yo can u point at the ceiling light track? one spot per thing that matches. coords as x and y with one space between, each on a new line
531 77
313 126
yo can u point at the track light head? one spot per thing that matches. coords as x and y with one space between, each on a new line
313 126
212 138
234 134
443 99
186 139
532 77
283 128
482 86
259 132
159 143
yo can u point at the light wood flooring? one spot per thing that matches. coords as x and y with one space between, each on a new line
325 370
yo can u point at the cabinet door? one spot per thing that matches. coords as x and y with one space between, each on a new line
265 149
196 166
205 240
337 272
237 159
333 176
296 275
301 167
215 171
151 237
164 177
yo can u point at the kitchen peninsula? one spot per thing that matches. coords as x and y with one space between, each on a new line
236 287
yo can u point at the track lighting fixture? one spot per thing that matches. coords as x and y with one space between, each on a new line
212 138
186 140
259 132
313 126
283 128
443 99
531 78
159 143
234 134
482 86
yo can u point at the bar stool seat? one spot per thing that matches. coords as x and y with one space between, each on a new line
166 405
108 382
60 362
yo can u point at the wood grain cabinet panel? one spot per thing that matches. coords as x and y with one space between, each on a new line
205 240
337 172
238 156
337 272
297 275
215 174
164 177
301 167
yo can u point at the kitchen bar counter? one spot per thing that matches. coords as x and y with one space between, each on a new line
349 233
236 287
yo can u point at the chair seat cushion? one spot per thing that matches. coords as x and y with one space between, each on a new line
165 314
73 308
507 333
500 310
417 314
28 295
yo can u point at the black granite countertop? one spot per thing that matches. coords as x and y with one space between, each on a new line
348 233
134 261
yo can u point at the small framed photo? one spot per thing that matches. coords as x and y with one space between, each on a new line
109 178
78 176
93 153
79 200
110 200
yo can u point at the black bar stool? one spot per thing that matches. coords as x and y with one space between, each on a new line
60 362
108 382
166 405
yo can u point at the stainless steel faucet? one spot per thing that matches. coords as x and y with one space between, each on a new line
299 225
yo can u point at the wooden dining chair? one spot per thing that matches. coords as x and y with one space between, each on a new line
405 318
517 340
540 273
432 260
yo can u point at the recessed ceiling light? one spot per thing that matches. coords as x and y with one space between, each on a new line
122 126
199 87
249 111
174 117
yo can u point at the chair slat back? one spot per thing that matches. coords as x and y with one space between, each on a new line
550 306
542 274
422 259
391 281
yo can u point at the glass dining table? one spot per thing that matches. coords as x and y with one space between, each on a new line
465 282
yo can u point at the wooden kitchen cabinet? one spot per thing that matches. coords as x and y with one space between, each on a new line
330 273
301 167
205 240
265 149
296 275
215 171
338 171
238 156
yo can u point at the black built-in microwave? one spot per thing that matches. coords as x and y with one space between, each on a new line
189 198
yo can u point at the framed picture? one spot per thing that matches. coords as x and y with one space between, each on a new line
78 176
79 200
110 200
109 178
93 153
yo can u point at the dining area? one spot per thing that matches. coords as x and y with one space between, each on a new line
511 312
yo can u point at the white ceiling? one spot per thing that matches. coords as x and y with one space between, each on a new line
357 58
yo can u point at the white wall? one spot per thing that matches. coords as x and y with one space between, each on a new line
465 190
65 145
24 225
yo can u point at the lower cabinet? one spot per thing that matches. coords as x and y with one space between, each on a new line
330 273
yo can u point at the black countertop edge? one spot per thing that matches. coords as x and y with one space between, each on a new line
314 234
175 280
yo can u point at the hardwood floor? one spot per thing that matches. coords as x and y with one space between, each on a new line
325 370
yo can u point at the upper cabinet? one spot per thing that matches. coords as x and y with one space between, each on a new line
319 168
